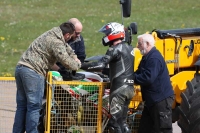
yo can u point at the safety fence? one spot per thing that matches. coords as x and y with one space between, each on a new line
70 107
7 103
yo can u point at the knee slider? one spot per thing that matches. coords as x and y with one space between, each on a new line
126 129
111 129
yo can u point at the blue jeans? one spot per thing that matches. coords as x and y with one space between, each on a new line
30 90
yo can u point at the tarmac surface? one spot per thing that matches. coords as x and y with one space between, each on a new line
176 128
8 107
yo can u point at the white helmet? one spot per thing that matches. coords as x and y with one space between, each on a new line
112 31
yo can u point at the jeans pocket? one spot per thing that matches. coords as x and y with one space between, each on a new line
165 119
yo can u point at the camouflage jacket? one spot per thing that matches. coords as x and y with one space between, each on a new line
46 50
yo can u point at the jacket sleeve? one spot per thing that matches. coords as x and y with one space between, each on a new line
102 63
70 51
148 73
61 55
81 50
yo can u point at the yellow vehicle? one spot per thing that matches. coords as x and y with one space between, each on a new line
181 51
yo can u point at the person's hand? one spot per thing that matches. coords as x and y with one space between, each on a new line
77 60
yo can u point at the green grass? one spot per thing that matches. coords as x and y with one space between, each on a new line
21 21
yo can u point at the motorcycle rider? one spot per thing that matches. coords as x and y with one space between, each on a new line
120 59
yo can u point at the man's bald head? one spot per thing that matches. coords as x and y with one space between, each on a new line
77 24
78 27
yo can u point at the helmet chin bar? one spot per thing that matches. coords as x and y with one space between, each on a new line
106 39
110 43
106 43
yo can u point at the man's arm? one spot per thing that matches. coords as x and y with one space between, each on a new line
102 63
64 58
149 74
95 66
70 51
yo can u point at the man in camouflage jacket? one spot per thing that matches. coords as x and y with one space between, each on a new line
31 70
77 45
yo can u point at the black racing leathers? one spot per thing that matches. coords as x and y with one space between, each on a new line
120 59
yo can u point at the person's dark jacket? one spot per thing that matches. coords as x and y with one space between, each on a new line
78 47
153 77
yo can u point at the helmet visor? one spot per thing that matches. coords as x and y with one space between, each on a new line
106 30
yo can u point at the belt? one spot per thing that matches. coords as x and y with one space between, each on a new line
21 65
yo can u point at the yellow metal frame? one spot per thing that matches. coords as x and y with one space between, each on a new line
7 78
50 82
134 103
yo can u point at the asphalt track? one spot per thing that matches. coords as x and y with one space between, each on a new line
8 107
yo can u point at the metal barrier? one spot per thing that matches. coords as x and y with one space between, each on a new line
8 104
66 109
73 106
82 107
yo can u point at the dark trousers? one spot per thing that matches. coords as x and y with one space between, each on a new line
157 118
119 101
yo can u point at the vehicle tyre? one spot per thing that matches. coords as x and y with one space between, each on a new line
175 114
189 109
